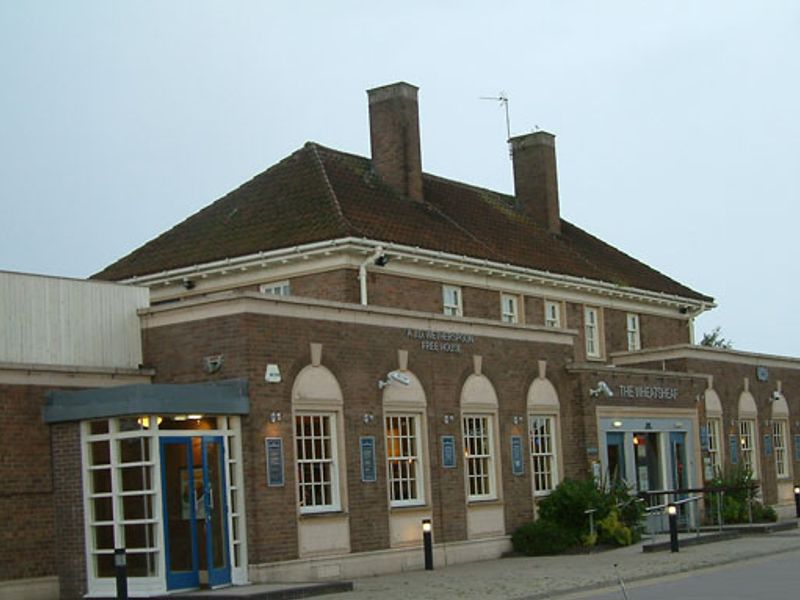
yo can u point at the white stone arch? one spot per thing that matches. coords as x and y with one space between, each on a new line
478 391
780 408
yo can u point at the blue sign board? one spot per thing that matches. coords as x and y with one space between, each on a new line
274 462
517 464
704 438
368 471
448 452
734 445
768 444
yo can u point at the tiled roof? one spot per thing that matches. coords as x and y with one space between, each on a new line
318 194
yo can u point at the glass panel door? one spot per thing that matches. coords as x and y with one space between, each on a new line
615 456
195 512
180 485
216 519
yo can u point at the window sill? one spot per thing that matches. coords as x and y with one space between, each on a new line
409 507
485 502
323 514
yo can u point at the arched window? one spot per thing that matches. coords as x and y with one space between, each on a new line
544 414
479 428
714 429
406 440
780 428
748 440
317 403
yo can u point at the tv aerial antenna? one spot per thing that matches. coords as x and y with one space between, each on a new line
502 98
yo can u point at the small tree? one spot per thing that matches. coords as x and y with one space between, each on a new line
714 339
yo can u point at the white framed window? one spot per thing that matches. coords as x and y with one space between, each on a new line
714 426
634 333
747 445
276 288
479 457
552 313
451 299
317 471
779 446
591 326
404 460
509 306
544 466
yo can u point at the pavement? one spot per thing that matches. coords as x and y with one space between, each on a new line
533 578
529 578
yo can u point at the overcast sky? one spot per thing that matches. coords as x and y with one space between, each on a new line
677 122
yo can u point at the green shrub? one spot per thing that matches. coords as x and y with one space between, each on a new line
541 538
612 531
564 524
739 486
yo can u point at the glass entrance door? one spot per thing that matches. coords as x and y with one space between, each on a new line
677 443
195 513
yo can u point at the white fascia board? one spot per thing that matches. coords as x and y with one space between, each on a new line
488 273
706 353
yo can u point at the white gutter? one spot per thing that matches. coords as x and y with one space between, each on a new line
362 272
262 259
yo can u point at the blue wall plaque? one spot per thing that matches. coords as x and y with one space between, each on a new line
734 444
274 462
704 438
368 471
767 444
448 452
517 464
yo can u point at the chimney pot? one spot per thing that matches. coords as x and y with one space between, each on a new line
394 137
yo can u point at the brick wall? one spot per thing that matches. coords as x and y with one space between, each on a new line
358 356
70 553
26 491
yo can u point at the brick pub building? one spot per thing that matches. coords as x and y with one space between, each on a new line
341 348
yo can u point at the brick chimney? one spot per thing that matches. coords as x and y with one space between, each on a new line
535 179
394 136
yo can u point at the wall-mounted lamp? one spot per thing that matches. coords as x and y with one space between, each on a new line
275 416
776 395
187 283
678 425
448 419
368 418
617 424
517 419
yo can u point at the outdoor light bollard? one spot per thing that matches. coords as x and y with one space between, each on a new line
428 544
672 511
121 571
797 501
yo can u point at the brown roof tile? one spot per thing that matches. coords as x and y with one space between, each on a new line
318 193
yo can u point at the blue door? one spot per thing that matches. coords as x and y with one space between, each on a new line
677 444
615 456
195 511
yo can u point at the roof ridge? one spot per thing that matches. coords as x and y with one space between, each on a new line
332 193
